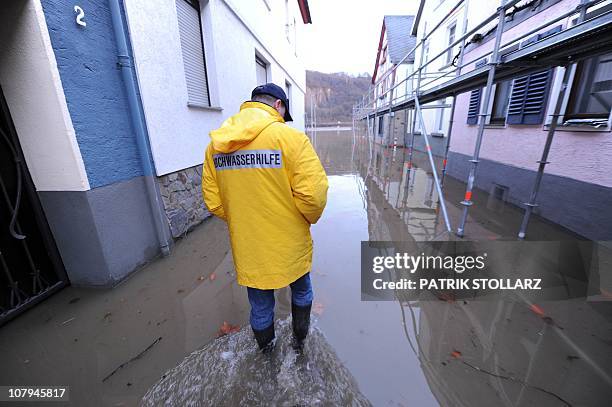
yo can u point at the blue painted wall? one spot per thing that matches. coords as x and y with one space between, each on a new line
87 62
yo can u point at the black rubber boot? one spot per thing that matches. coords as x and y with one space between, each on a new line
301 322
265 338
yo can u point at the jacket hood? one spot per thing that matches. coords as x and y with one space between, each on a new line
243 127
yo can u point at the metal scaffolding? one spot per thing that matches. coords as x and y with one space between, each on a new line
589 36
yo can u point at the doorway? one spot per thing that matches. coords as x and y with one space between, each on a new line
30 266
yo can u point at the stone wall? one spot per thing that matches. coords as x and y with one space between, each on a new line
182 195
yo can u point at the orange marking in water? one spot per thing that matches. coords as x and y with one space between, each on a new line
537 310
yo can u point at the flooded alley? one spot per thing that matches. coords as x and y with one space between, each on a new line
112 347
306 203
445 352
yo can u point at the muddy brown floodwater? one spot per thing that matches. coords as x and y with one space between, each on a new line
155 333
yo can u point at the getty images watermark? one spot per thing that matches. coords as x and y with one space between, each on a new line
478 270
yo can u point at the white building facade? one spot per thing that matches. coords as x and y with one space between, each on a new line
196 62
392 69
105 111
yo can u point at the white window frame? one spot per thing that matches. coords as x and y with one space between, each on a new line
489 110
261 61
555 90
190 101
289 91
425 51
453 24
440 113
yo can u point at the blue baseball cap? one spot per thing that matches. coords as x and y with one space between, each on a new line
274 91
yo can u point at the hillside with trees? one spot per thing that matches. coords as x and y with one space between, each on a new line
334 95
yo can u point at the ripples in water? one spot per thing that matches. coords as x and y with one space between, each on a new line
231 371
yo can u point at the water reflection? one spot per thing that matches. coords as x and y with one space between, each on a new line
423 353
463 353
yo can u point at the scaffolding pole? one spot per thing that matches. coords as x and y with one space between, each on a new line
353 128
414 113
529 206
375 124
390 112
433 164
467 202
448 139
405 130
454 102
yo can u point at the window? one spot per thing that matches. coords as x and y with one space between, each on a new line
475 98
192 47
452 29
501 100
426 55
591 92
440 116
381 125
261 71
474 106
501 97
288 93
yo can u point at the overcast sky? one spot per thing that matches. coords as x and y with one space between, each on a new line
344 34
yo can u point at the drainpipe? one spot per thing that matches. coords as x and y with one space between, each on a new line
125 59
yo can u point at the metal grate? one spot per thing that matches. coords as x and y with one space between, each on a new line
30 268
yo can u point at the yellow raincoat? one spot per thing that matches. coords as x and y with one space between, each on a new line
265 179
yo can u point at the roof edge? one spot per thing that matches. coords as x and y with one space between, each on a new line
305 11
417 18
380 42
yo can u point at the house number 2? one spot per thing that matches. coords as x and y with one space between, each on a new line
80 16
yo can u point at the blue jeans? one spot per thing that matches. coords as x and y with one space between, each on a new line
262 301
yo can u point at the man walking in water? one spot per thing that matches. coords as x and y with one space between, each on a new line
265 179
